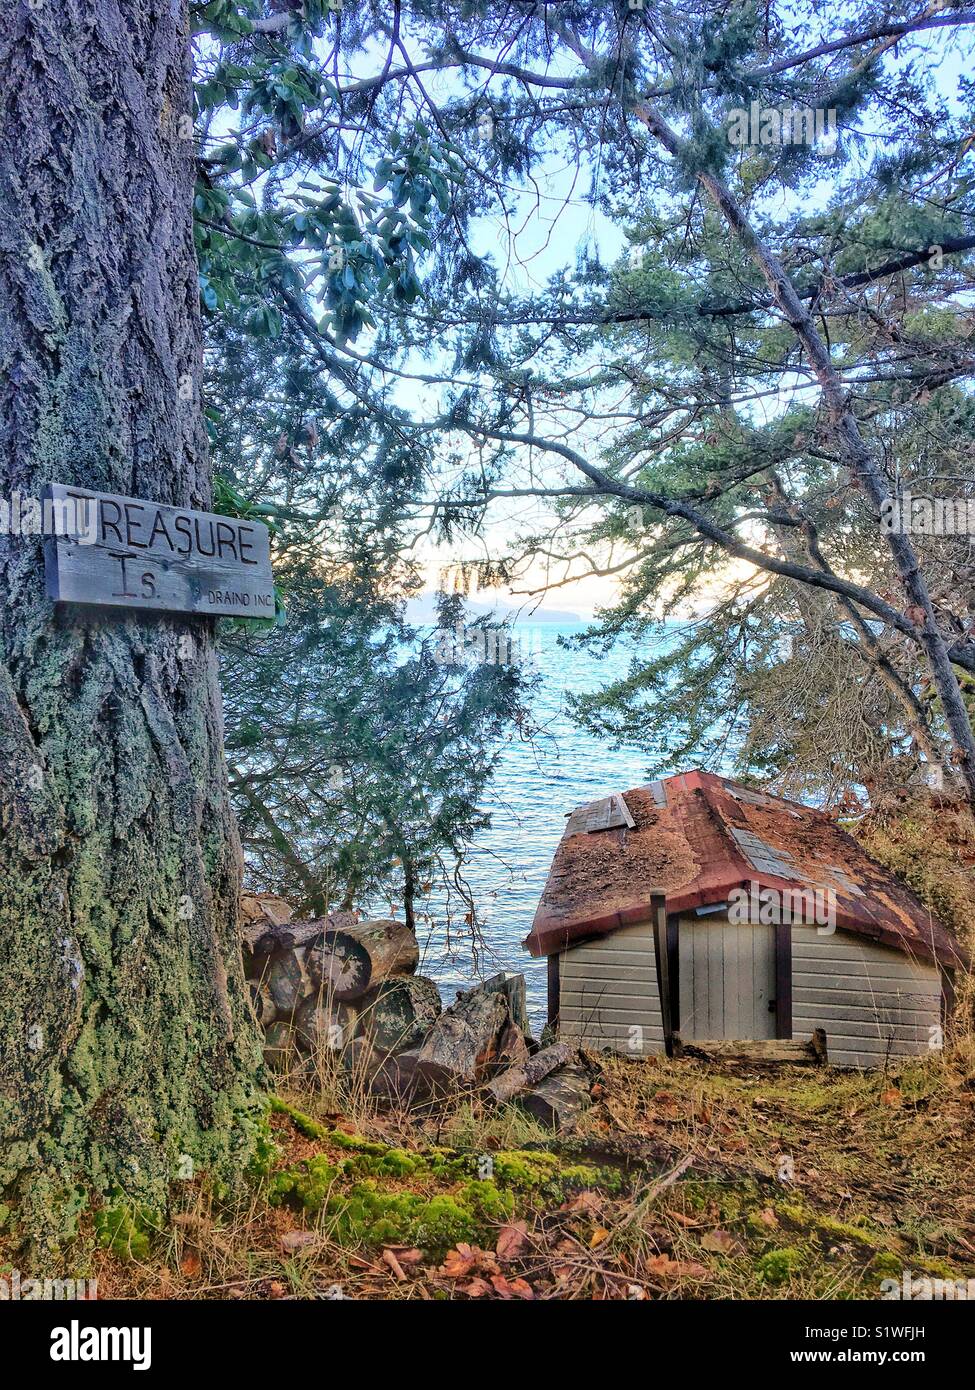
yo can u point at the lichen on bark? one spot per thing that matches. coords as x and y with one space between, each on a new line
127 1051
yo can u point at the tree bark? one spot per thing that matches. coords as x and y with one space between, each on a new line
458 1051
559 1100
126 1041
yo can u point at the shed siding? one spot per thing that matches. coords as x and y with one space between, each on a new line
873 1001
608 993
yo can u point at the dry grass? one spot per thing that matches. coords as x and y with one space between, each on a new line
882 1179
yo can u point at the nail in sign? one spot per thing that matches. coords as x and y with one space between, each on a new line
129 553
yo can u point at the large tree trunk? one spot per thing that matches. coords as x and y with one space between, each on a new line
125 1043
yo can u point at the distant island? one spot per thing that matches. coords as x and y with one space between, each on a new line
423 610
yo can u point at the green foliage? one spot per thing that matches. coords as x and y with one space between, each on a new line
340 202
126 1228
357 1195
779 1266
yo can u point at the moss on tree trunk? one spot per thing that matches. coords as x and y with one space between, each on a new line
126 1048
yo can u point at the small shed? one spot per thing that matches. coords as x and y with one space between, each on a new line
696 908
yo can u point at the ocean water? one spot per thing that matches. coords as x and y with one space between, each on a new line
535 788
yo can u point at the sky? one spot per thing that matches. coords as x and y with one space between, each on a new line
554 228
557 232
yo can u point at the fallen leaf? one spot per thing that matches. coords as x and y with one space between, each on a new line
683 1219
599 1235
477 1288
768 1217
190 1264
466 1258
512 1288
666 1268
293 1241
276 1289
458 1263
719 1241
584 1201
512 1240
390 1259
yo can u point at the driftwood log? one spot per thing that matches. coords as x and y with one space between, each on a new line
334 985
279 1046
266 935
286 981
762 1052
530 1072
458 1051
400 1012
324 1024
348 962
260 913
560 1099
514 989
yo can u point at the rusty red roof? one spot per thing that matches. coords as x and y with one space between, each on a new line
695 838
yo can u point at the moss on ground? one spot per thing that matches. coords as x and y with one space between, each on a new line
451 1195
882 1185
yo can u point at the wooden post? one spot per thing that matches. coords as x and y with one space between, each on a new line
658 916
553 990
783 980
673 969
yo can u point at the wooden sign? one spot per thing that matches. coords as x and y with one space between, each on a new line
129 553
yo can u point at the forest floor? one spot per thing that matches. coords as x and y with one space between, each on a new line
686 1179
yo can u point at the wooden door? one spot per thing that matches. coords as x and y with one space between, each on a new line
727 980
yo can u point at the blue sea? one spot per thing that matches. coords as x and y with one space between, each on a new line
536 786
